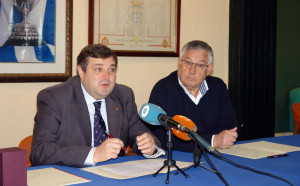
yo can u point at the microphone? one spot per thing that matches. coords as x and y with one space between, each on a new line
185 136
197 155
192 134
150 113
186 122
204 143
155 115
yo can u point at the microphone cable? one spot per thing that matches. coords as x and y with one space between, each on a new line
253 170
202 143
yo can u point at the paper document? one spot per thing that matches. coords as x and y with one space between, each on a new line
52 176
132 169
261 149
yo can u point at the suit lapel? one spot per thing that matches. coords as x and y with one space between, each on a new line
81 113
113 115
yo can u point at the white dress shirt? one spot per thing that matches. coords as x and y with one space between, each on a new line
91 108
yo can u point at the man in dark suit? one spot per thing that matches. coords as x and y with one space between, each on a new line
64 124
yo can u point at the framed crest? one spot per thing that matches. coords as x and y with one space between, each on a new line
136 27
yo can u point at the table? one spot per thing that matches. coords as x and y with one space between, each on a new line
286 167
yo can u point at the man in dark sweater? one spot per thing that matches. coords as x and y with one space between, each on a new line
204 99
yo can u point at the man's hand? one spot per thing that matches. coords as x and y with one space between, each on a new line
109 149
225 139
146 144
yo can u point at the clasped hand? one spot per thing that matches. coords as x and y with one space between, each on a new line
111 147
225 139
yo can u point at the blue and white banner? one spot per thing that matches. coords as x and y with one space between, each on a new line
42 15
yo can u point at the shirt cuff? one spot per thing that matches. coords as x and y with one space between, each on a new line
212 140
90 157
159 152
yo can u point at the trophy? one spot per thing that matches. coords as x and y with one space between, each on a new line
24 33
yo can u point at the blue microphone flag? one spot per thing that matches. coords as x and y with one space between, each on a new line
149 113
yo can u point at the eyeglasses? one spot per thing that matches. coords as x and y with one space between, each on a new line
199 67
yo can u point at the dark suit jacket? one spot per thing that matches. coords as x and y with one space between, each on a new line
62 131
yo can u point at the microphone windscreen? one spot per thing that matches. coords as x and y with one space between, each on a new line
150 112
185 122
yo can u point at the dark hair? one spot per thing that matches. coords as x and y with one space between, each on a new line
197 44
95 51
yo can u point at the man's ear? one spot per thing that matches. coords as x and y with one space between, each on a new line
178 62
79 70
210 69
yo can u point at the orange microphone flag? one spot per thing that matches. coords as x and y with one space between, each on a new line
185 122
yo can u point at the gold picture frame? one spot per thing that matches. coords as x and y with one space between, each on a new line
58 71
136 27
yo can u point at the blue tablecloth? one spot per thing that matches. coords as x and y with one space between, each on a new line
286 167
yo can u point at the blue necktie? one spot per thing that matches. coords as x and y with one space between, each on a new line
99 126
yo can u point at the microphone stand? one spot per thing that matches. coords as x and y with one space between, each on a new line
193 136
197 156
213 167
170 162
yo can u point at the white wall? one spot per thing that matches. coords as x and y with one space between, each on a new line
206 20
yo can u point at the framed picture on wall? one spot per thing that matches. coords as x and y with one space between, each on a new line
35 40
136 27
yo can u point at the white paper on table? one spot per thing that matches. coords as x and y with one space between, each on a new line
260 149
52 176
132 169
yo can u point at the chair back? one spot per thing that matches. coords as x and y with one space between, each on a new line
296 111
130 151
294 97
26 145
296 114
